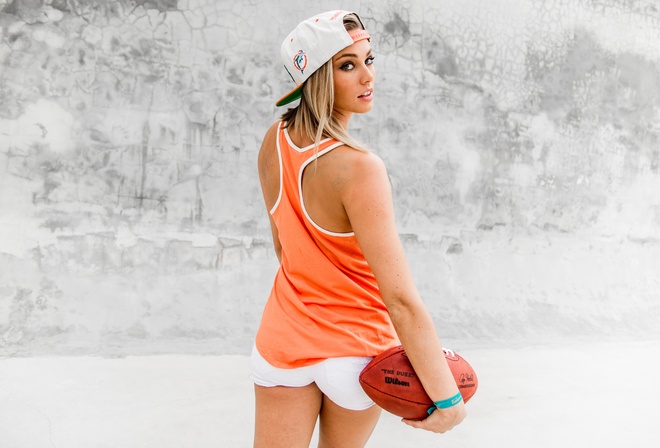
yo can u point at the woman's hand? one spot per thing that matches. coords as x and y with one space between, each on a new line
441 420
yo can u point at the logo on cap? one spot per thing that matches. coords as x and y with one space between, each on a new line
300 61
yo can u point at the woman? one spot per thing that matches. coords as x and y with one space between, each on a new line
344 292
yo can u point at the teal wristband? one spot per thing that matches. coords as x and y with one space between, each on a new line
444 404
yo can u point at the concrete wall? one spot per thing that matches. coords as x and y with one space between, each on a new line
522 138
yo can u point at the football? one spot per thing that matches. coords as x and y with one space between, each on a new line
390 381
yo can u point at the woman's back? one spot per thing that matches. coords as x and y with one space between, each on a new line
325 300
324 180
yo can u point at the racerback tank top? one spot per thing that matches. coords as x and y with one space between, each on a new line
325 301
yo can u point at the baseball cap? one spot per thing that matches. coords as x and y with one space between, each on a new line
313 43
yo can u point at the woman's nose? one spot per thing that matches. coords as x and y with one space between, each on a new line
367 74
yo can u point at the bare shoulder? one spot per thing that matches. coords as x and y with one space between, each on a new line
370 163
268 165
270 137
268 150
363 176
358 164
366 164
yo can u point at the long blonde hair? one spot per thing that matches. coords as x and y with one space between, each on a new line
313 116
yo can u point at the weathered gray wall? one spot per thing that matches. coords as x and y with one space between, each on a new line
522 138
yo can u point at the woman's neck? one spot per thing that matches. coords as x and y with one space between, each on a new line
343 118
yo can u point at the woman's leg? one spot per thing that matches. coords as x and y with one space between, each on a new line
343 428
285 416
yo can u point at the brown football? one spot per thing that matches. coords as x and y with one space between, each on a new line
390 381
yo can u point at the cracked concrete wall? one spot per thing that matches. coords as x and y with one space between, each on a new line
521 138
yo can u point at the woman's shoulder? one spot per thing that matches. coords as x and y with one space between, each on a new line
272 130
361 159
267 155
270 137
352 170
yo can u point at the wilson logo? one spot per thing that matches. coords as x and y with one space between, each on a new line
396 381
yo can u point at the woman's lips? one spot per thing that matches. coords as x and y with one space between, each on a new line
368 95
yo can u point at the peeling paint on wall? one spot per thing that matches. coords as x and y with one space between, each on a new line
130 211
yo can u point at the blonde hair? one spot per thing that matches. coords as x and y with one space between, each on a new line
313 116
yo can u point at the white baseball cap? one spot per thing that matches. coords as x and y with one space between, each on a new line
313 43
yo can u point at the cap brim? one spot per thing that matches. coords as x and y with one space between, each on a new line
290 97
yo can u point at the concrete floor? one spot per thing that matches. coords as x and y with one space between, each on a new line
581 395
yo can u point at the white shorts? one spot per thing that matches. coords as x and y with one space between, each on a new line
337 378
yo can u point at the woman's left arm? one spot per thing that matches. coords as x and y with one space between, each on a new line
367 199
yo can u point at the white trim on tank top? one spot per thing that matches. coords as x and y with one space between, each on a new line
300 174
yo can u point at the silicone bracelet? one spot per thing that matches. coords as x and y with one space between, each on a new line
444 404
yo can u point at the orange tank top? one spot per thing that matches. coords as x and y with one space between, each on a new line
325 301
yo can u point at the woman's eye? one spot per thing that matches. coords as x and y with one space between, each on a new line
348 66
370 60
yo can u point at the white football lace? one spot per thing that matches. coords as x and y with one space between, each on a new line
448 352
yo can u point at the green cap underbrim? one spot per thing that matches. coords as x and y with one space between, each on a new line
290 97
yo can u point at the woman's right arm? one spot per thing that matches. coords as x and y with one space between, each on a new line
269 176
